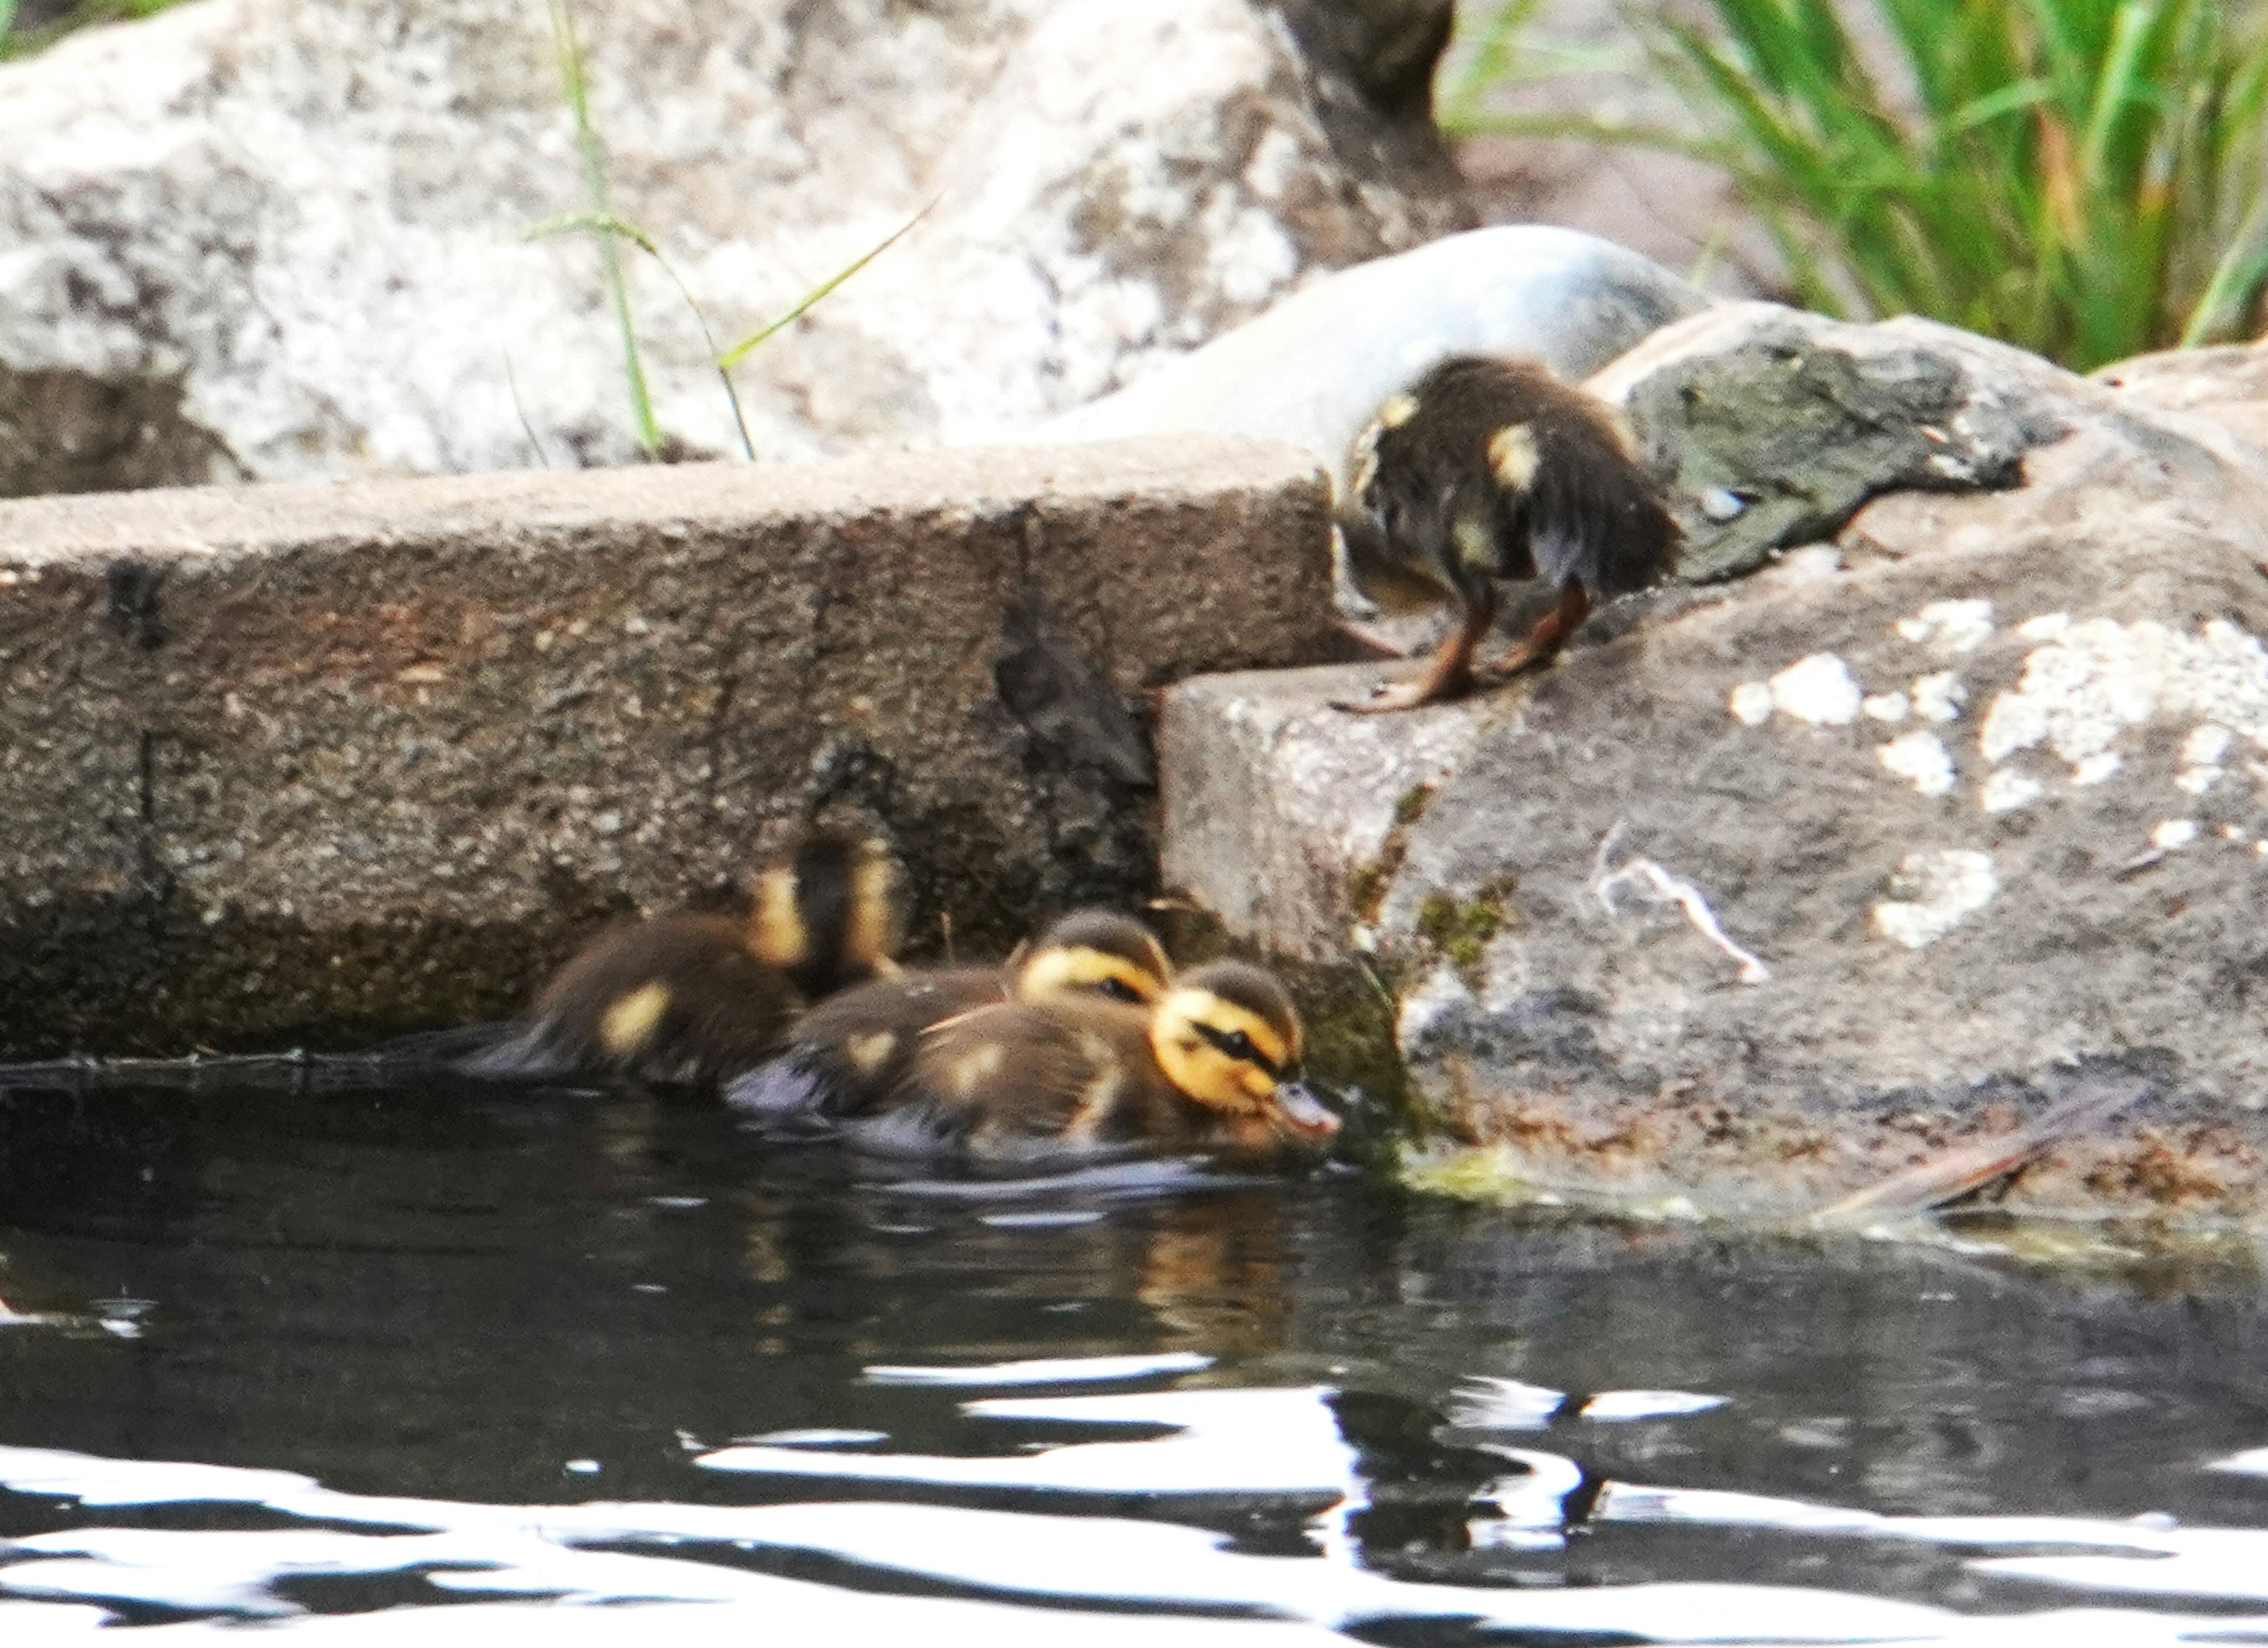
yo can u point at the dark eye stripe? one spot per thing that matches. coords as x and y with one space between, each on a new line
1237 1045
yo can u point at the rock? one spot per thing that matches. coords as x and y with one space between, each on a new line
1773 887
322 762
2228 385
251 240
1313 369
1772 427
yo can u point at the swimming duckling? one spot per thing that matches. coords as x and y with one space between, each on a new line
1214 1063
850 1053
1489 468
691 999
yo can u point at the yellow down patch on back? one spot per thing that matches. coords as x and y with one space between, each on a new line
777 933
626 1024
1397 411
869 1052
1512 457
874 913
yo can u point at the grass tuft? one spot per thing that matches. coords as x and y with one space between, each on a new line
2087 179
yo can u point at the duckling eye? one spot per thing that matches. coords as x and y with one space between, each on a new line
1237 1045
1119 989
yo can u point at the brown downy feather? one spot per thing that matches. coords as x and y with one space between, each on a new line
694 1000
850 1053
1489 468
1213 1065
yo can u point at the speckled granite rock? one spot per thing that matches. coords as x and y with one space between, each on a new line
257 239
1773 886
328 761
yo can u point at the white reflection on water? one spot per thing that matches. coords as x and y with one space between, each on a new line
1264 1444
1100 1370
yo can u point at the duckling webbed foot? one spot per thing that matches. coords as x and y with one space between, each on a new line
1447 677
1544 642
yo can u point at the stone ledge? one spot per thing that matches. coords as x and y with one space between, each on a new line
326 762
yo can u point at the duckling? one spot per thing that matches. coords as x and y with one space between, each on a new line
853 1050
1214 1063
1490 468
691 999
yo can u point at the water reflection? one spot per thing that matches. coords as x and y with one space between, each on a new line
427 1347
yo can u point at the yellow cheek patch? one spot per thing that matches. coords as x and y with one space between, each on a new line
1512 457
869 1052
777 932
1056 971
624 1028
1365 461
1397 410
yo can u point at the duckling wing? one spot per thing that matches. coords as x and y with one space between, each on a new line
848 1054
1022 1079
675 1000
1594 515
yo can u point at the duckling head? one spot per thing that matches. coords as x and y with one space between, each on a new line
829 913
1228 1037
1098 952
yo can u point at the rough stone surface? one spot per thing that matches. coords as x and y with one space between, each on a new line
1313 369
1772 426
2228 385
324 762
251 238
1975 793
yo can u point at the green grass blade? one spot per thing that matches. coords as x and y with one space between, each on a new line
740 351
575 85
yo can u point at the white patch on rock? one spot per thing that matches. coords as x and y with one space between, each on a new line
2096 768
2206 746
1949 628
1818 689
1938 697
1751 703
2080 692
1890 707
1920 757
2047 626
2173 835
2196 780
1944 888
2007 790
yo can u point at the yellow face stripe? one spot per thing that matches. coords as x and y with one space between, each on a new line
625 1026
1058 969
1512 457
1397 410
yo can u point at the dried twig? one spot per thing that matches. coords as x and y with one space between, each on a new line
1658 886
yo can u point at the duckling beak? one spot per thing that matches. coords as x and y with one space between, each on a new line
1296 1111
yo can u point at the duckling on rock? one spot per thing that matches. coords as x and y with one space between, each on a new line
1490 468
691 999
850 1053
1213 1063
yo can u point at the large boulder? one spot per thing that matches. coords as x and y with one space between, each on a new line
1312 370
1772 886
256 239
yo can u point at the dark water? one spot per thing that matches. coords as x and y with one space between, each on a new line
426 1365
